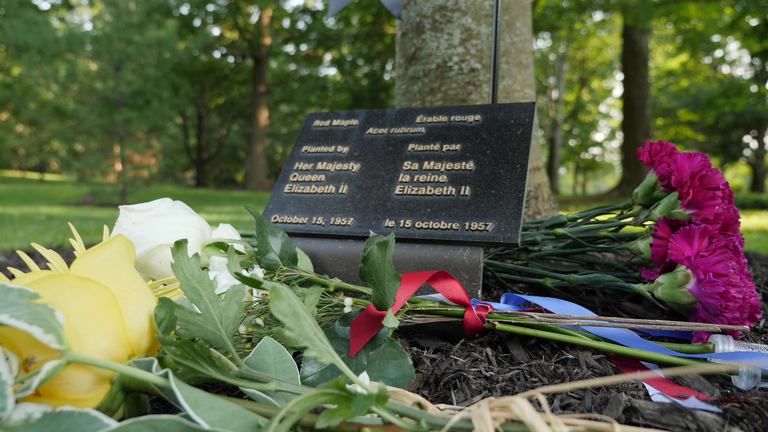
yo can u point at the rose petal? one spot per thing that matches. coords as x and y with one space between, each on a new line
94 327
111 264
94 321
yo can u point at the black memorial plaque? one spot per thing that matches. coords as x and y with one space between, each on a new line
442 174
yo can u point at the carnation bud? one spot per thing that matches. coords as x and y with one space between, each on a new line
649 192
669 207
641 246
672 288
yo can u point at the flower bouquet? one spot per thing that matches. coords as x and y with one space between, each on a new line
677 242
165 303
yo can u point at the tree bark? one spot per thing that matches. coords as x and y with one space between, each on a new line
444 56
202 154
636 124
256 154
553 163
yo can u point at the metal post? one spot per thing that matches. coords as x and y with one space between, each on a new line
495 52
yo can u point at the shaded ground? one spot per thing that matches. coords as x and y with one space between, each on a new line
458 371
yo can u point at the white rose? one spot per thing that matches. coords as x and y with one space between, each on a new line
154 226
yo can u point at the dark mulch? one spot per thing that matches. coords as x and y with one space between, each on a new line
458 371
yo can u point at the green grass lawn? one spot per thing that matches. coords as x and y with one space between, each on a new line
754 227
35 211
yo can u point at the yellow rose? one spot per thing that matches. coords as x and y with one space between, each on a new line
108 309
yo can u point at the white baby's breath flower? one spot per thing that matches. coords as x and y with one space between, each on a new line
256 272
365 379
348 302
218 272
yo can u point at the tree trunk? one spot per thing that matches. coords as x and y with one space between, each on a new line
575 187
202 154
553 164
636 124
256 154
443 58
758 165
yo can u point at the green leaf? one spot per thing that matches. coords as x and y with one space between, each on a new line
275 247
332 393
113 401
124 397
165 316
49 370
44 418
389 363
304 264
315 372
378 270
235 269
311 298
43 322
136 404
271 358
157 423
300 326
6 387
383 358
205 409
218 319
333 417
362 403
390 320
196 360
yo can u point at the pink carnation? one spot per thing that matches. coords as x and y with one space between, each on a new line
722 282
692 170
703 192
663 231
656 154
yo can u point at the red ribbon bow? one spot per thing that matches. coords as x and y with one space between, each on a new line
368 323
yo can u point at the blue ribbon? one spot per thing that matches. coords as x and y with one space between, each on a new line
512 302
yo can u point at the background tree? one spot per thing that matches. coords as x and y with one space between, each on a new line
712 90
127 78
35 88
579 89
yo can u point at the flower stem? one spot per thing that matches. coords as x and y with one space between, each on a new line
599 345
393 419
435 421
122 369
522 269
704 348
25 377
309 421
249 376
334 285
